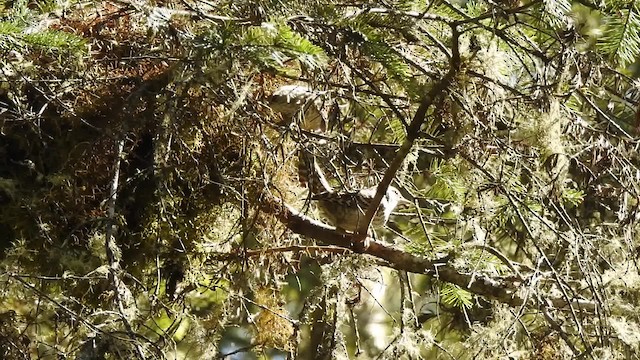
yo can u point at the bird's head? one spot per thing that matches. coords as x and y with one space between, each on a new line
393 198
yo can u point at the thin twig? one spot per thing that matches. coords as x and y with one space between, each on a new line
111 247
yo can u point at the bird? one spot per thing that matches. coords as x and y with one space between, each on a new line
346 210
302 103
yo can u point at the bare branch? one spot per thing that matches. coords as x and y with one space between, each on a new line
413 130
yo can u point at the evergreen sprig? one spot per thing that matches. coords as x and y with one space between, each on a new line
621 38
16 36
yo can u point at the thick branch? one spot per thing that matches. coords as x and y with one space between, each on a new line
502 289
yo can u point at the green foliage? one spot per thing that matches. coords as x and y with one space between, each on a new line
446 183
556 13
388 57
573 197
9 28
273 44
16 36
621 37
438 242
454 296
55 40
397 130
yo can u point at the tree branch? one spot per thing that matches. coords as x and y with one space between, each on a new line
413 131
503 289
123 296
